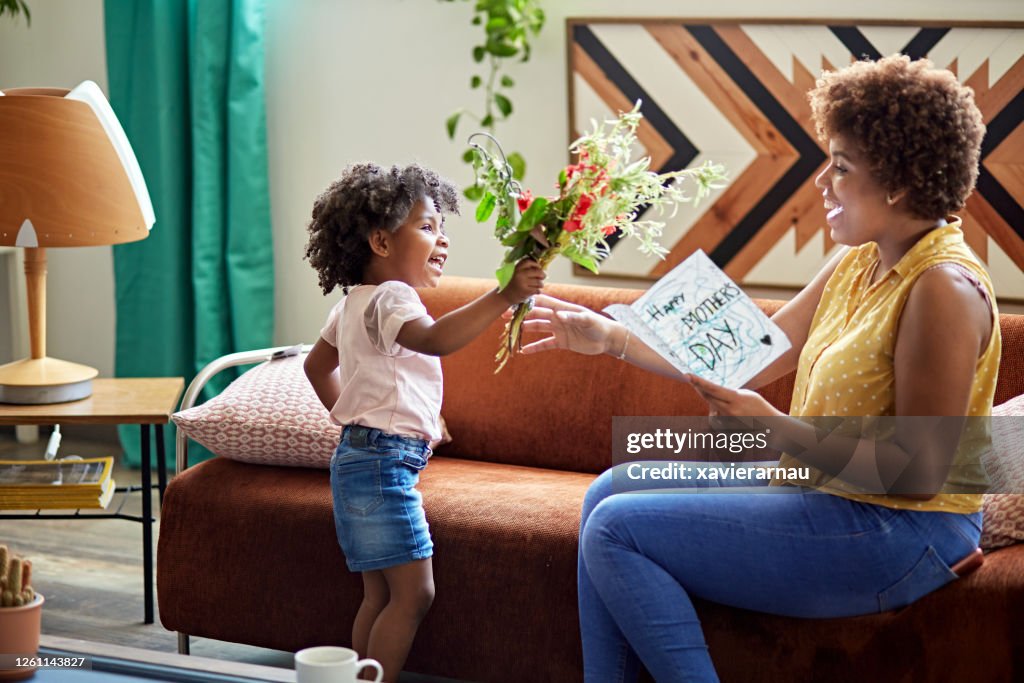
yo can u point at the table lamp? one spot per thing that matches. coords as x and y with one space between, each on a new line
68 178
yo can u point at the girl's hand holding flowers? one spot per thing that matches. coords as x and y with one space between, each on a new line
527 280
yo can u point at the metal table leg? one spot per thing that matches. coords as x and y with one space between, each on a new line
161 463
147 526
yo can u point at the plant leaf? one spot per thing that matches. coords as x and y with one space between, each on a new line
504 104
478 53
507 82
473 192
451 123
485 208
533 214
468 155
518 164
582 260
504 274
475 82
502 49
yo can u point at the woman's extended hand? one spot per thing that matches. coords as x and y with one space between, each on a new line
568 326
731 402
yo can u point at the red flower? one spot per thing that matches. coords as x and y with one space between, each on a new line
572 225
524 200
584 204
608 230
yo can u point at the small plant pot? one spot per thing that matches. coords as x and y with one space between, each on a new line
19 635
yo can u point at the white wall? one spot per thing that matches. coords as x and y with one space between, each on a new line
349 80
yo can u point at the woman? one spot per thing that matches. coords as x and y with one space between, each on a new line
902 322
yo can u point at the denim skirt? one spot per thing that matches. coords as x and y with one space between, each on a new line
378 513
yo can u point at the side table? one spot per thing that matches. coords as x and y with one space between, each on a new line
117 401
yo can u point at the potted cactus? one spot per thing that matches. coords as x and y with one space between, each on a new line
20 612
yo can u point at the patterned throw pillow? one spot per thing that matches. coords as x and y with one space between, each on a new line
1002 512
270 415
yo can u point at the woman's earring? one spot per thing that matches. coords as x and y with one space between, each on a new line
890 200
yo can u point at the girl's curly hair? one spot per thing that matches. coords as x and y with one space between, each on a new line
916 125
365 198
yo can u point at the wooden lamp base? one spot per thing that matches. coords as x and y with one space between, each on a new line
35 381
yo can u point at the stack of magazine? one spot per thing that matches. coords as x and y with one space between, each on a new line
64 484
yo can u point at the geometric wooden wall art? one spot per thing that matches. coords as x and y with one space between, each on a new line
734 91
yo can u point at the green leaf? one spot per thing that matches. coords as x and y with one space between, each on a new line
496 24
451 123
487 121
518 164
521 250
533 215
512 239
469 155
504 104
507 82
502 49
504 274
475 82
473 192
485 208
562 178
476 21
582 260
478 53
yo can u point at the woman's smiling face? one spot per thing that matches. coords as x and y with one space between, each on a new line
856 203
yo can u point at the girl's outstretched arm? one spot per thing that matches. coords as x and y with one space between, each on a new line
452 331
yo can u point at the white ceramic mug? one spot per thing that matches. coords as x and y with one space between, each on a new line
330 664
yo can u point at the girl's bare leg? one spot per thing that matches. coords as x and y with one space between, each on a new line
375 598
411 587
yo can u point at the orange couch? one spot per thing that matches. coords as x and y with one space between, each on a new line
247 553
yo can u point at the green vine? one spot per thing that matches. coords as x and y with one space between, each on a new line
509 26
13 7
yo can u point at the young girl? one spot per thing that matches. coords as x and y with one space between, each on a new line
378 233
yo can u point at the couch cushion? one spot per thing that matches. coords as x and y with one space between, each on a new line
572 397
269 416
499 531
1003 509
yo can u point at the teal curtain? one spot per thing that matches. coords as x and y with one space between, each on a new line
186 80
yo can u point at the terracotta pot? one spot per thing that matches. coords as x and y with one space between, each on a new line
19 634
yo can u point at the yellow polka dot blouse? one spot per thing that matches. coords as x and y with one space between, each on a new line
846 366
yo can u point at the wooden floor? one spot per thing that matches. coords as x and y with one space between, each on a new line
90 571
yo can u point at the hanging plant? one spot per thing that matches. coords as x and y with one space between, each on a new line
14 7
509 25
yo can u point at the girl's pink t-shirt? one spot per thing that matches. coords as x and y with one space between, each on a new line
383 384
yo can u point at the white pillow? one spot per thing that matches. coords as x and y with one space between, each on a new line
270 416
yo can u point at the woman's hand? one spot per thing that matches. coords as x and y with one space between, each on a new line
732 402
568 326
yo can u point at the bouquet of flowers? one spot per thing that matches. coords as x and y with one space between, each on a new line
599 195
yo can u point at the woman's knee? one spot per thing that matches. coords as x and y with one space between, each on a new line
607 525
599 489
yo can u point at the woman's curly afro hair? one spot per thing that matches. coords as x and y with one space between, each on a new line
916 125
365 198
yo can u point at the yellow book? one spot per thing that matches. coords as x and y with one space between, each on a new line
67 483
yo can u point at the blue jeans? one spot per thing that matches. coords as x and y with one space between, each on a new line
378 513
786 551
